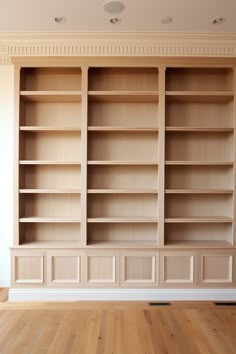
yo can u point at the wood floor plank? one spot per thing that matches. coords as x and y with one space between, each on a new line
116 328
3 294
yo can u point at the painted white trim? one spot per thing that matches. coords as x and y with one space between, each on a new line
4 282
116 44
122 295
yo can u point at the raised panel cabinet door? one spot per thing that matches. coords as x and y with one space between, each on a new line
28 268
101 269
217 269
139 268
177 269
64 269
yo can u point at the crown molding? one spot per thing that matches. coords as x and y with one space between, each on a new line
116 44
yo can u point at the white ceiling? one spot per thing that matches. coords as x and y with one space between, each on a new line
139 16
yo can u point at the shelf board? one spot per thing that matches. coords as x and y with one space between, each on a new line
49 129
51 96
122 220
50 244
48 220
124 96
200 163
122 191
199 129
198 191
122 129
135 163
197 244
199 96
48 162
217 219
122 244
50 191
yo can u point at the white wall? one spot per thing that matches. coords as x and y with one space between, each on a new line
6 170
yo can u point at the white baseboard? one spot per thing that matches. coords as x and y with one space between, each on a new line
122 295
4 282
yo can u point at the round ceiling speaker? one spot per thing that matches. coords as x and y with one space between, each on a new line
113 7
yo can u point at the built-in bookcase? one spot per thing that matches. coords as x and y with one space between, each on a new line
125 173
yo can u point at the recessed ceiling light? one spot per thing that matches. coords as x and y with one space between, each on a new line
60 19
166 20
115 20
113 7
218 20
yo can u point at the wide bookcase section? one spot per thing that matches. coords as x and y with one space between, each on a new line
125 173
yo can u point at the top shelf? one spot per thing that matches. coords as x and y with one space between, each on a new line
200 79
51 79
123 78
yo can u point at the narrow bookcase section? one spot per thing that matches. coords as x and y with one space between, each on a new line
125 173
199 178
123 127
49 141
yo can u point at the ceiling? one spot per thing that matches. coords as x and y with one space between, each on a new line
192 16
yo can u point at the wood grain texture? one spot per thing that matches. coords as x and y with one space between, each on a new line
116 327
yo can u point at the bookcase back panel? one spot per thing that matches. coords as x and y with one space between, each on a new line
199 79
123 146
208 115
123 177
199 147
122 205
199 177
51 79
50 176
186 232
126 79
137 115
51 146
57 114
115 232
51 205
190 205
50 232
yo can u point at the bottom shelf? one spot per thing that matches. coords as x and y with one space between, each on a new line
199 234
123 233
197 244
49 244
49 233
122 244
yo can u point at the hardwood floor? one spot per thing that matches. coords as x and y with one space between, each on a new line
116 328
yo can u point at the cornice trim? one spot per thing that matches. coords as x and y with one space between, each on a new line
116 44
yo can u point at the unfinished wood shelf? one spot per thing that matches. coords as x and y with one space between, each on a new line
49 190
125 173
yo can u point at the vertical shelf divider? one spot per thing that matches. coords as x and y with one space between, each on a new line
161 157
84 138
16 154
234 172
